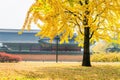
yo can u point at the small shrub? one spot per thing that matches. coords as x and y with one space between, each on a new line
5 57
105 57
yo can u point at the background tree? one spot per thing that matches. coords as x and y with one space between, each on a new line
91 20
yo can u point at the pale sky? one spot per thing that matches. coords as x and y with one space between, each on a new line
13 12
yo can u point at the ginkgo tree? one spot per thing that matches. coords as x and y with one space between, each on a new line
91 20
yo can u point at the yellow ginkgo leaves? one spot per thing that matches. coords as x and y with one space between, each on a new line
66 17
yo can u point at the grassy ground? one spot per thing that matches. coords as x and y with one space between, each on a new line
59 71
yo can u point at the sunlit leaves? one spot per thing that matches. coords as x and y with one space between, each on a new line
66 17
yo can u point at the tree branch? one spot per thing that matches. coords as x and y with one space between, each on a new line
79 27
98 15
94 30
68 11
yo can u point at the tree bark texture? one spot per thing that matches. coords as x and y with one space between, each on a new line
86 55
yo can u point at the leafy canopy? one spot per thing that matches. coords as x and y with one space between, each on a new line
66 17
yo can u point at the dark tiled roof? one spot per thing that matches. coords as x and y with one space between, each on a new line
11 35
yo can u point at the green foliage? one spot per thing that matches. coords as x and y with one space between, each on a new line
105 57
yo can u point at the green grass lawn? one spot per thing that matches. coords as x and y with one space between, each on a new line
59 71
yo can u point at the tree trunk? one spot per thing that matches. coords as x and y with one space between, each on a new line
86 55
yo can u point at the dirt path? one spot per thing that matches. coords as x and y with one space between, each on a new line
42 57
